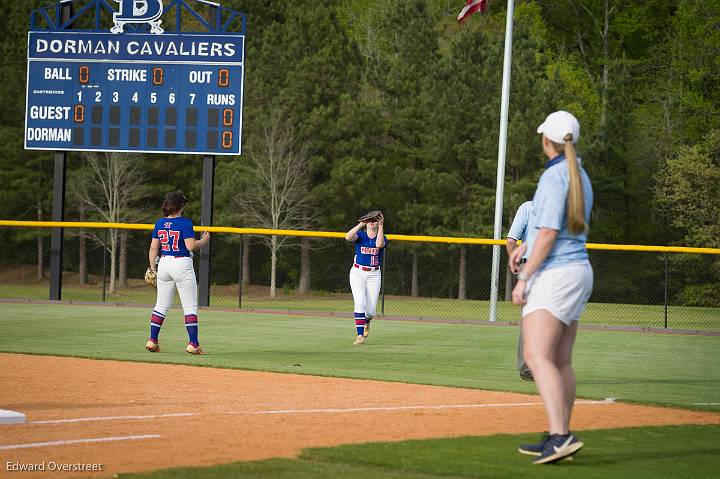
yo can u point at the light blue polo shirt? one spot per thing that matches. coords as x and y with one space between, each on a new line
519 227
522 223
550 211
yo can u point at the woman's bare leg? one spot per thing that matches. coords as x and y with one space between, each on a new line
563 361
543 335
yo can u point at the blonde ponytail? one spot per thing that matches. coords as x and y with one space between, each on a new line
575 203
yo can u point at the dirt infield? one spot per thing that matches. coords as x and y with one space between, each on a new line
132 417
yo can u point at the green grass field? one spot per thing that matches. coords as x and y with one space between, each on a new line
671 370
676 370
639 453
641 316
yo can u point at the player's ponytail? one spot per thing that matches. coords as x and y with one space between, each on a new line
575 202
174 203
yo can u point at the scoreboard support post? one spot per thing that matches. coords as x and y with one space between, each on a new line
206 214
206 219
58 214
58 208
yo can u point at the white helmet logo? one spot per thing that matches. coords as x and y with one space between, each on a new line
138 11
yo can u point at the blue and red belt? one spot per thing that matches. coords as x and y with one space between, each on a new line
366 268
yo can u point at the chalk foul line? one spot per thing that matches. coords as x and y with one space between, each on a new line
312 411
110 418
405 408
79 441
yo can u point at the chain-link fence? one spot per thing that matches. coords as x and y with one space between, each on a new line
420 279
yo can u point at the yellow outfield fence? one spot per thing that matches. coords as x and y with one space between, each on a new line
636 286
330 234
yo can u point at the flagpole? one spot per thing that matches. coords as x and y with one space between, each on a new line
502 148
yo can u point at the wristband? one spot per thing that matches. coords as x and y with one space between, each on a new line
523 276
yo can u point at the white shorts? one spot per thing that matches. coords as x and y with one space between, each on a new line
563 291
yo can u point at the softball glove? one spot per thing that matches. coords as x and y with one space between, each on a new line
151 277
370 216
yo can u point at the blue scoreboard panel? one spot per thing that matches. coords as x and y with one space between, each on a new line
135 92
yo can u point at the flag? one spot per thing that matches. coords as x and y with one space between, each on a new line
472 6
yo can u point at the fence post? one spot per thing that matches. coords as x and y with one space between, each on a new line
666 289
240 275
382 285
104 264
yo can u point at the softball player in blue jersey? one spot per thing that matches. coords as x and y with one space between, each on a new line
173 240
365 274
556 282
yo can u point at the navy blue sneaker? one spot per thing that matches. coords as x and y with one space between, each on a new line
558 447
534 449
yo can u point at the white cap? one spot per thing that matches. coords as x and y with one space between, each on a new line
559 124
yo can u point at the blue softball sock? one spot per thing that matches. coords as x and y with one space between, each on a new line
191 324
360 323
156 321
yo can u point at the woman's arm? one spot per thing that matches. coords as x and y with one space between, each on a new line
351 235
510 245
543 245
193 245
380 239
154 251
515 254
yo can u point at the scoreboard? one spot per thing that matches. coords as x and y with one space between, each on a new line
135 92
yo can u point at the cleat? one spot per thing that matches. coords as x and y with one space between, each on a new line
559 447
152 346
534 449
526 375
360 340
193 350
366 331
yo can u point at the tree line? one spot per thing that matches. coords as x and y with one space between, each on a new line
353 105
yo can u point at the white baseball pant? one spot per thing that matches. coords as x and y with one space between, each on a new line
365 286
178 272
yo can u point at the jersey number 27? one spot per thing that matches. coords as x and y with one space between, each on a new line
166 236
